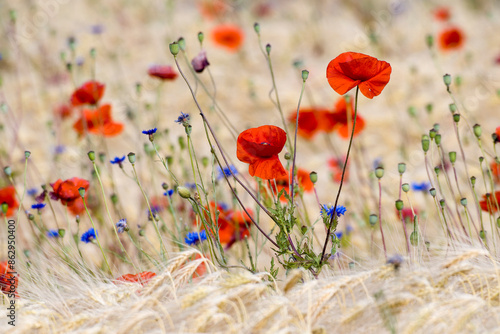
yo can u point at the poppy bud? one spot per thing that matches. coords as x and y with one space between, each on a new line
114 198
27 154
204 161
268 49
142 232
428 108
429 40
174 48
7 170
452 107
436 170
182 143
91 155
433 192
373 220
305 75
201 37
482 234
183 192
456 117
414 238
5 207
164 186
313 176
477 130
81 190
447 80
61 232
438 139
436 127
288 156
182 43
401 168
399 205
481 159
453 156
432 134
31 217
425 143
463 201
442 203
405 187
131 157
256 27
473 181
379 172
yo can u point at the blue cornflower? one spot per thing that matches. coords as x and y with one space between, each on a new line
422 186
339 234
59 149
149 132
121 225
223 206
32 192
193 238
228 171
169 192
117 160
88 236
53 233
38 206
328 210
183 118
191 186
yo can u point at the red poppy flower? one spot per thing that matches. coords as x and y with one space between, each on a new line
451 38
259 147
63 111
497 132
98 122
336 166
407 214
77 207
228 36
339 119
312 121
89 93
211 9
283 182
8 195
6 279
67 191
242 222
142 278
226 228
442 13
163 72
351 69
489 204
495 170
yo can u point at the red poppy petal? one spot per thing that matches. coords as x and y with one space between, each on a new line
267 168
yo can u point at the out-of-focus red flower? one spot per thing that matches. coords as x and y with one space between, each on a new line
163 72
407 214
442 13
495 170
451 39
259 147
67 191
312 121
89 93
98 121
304 182
340 122
8 196
228 36
336 166
489 203
351 69
200 61
497 132
212 9
8 281
63 111
241 222
142 278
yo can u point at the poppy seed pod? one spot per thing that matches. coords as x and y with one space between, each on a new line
142 232
164 186
31 216
399 205
204 161
114 198
463 201
438 139
268 49
405 187
432 191
453 156
131 157
414 239
477 130
373 219
456 117
436 127
7 170
429 41
379 172
5 207
288 156
481 159
183 192
256 27
27 154
494 136
447 80
436 170
425 143
429 107
432 134
305 75
313 176
201 37
442 203
473 181
182 43
81 191
91 155
61 232
401 168
174 48
482 234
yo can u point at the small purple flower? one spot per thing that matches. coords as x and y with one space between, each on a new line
38 206
200 61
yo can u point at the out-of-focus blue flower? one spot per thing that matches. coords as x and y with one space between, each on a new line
329 210
88 236
97 29
339 234
53 233
183 118
228 171
169 192
191 186
32 192
117 160
149 132
38 206
193 238
121 225
422 186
